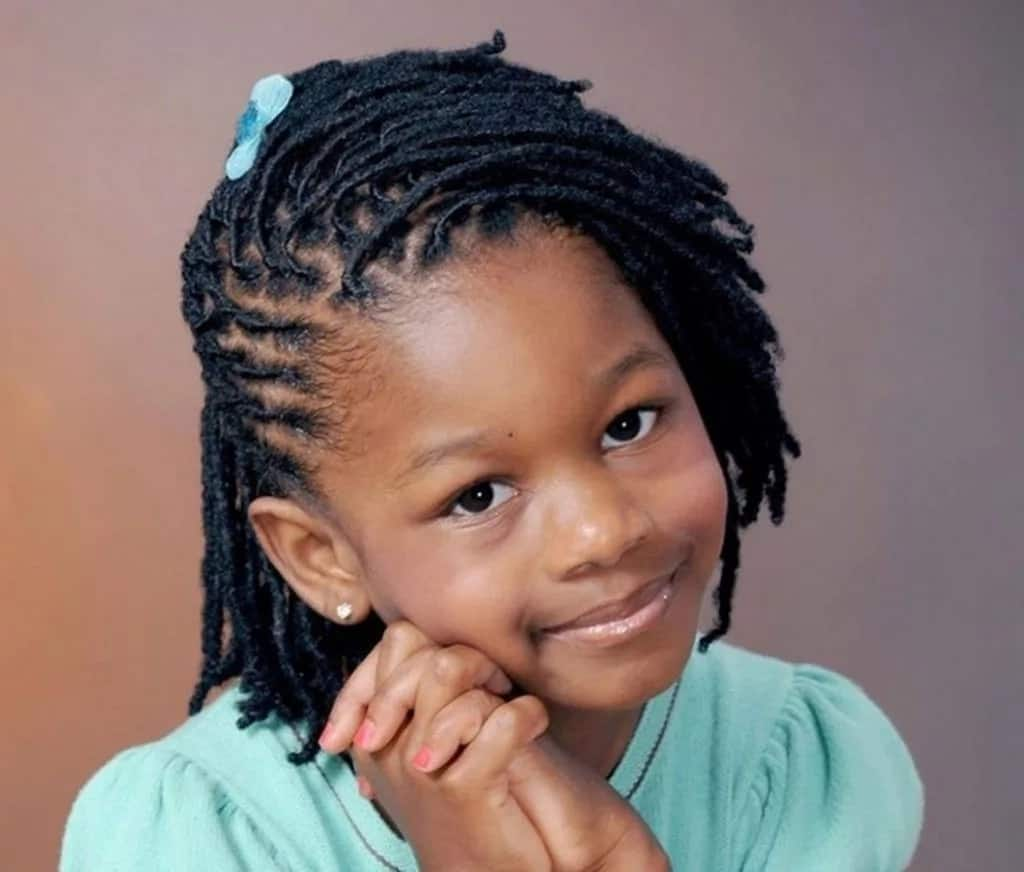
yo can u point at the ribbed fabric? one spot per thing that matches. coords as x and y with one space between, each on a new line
746 763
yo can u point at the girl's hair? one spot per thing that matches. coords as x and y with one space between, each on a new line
368 170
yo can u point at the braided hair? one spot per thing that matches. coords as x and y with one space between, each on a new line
364 177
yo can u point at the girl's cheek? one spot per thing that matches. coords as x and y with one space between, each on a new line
418 582
706 512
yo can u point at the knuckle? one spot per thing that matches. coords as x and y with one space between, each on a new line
385 701
453 786
449 666
534 712
444 724
401 633
467 718
484 700
508 718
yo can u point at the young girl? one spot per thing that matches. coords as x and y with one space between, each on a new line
461 595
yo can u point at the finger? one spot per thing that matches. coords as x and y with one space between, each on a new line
508 729
401 639
365 788
423 684
499 683
451 672
363 766
457 724
398 640
393 701
349 706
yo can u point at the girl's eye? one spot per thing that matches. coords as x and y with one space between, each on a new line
630 425
478 498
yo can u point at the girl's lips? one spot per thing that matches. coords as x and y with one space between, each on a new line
616 609
651 603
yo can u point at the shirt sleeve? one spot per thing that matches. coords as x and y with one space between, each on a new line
836 787
154 809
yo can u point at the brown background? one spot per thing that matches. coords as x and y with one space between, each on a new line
876 146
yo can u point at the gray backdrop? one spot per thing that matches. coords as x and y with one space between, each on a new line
876 146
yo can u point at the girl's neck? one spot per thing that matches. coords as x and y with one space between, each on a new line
597 739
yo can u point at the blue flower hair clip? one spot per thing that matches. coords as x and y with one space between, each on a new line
268 98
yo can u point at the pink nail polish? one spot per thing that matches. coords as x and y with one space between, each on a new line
328 734
365 733
422 758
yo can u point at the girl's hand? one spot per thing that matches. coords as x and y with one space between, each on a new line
584 823
401 641
461 816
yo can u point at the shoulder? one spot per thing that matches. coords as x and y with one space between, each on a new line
182 802
730 700
824 778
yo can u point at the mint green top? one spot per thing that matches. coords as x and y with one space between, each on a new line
745 763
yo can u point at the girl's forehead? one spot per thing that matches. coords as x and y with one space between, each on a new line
530 311
520 335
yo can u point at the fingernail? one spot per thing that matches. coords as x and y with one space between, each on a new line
364 787
365 733
422 758
328 735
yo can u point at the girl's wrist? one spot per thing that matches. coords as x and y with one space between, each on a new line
640 850
650 861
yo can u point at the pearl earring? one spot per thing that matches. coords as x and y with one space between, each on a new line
344 611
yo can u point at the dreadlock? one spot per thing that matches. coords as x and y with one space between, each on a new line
381 159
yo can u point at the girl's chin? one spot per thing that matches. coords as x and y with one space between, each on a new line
623 675
586 685
628 691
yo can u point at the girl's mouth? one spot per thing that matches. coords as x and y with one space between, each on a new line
644 610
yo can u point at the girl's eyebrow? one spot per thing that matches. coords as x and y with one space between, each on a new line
639 356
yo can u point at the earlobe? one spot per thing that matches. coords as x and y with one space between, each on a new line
305 551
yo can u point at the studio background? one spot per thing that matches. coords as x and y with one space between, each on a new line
875 146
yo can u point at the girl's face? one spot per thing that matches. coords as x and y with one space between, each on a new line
532 451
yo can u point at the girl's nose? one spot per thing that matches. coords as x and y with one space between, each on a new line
596 523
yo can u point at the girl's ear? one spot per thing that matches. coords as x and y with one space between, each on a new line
317 561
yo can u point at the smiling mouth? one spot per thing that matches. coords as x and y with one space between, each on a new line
649 605
618 610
